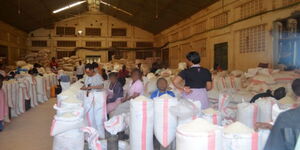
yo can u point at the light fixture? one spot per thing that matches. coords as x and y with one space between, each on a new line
115 7
79 32
67 7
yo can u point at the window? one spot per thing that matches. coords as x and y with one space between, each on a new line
119 44
66 43
65 30
118 32
93 31
220 20
93 43
144 44
200 46
143 54
200 27
252 39
61 54
39 43
251 8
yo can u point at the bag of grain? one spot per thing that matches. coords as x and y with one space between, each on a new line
116 124
265 109
165 122
95 111
141 123
198 134
212 116
67 133
247 114
186 110
237 136
263 135
76 110
71 103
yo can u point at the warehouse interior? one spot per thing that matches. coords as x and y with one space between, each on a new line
250 49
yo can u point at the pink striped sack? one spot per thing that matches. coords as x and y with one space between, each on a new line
212 116
165 122
116 124
265 106
247 114
66 132
141 123
92 138
198 134
95 111
239 137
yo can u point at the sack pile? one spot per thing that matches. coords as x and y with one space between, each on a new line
41 57
68 63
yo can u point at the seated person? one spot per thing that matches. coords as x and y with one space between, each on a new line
285 131
162 88
136 89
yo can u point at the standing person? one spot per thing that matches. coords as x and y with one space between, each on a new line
96 67
3 106
162 88
286 129
80 70
197 79
93 81
53 65
103 74
123 73
136 89
115 92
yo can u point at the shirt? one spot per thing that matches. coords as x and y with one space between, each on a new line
117 91
123 74
95 80
285 131
196 77
136 87
80 69
157 93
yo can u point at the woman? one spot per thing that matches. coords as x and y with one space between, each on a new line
136 89
197 79
115 92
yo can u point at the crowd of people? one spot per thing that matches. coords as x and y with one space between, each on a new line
197 79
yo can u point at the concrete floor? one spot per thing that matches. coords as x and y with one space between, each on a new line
30 131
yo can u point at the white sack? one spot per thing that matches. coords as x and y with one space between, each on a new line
247 114
212 116
141 123
165 122
198 134
265 109
116 124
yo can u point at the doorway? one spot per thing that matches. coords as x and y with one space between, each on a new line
221 55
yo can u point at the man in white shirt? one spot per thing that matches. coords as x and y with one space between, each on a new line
80 70
93 81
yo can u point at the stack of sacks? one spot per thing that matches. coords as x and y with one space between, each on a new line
228 101
198 134
165 122
66 130
21 63
41 89
212 116
237 136
145 68
261 83
141 123
31 58
68 63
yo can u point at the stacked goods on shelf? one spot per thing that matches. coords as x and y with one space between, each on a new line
68 63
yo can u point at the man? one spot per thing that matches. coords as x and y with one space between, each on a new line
80 70
53 65
162 88
93 81
286 129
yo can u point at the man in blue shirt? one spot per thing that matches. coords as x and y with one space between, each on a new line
162 88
